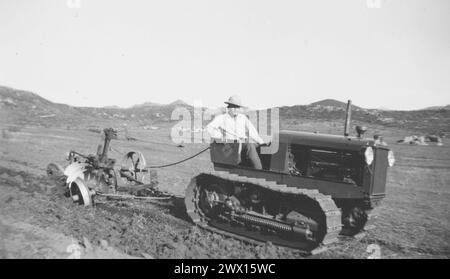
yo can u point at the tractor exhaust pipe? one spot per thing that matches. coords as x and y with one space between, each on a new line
348 116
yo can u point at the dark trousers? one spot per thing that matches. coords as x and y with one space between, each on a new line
250 157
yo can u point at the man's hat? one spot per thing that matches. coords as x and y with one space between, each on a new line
234 101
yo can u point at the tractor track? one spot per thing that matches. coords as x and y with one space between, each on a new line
332 213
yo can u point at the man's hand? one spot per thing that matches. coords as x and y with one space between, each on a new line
266 143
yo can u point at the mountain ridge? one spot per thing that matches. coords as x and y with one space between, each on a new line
27 108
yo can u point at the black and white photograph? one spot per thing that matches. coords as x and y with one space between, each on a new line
224 130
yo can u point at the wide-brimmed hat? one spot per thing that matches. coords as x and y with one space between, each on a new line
234 101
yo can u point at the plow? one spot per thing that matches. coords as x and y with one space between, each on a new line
96 175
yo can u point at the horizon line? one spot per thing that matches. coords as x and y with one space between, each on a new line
189 104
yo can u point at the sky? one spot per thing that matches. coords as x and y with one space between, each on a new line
378 53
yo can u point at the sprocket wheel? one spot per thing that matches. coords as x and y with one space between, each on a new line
354 219
208 199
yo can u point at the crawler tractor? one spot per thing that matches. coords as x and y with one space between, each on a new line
312 189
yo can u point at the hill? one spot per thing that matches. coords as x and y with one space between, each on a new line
447 107
23 107
332 103
146 104
20 107
178 103
421 121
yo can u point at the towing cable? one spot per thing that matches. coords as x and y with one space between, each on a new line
179 162
171 164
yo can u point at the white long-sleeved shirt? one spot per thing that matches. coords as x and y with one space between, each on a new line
226 128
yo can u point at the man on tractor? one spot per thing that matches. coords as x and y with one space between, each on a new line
233 127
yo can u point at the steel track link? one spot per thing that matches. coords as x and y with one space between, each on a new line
330 210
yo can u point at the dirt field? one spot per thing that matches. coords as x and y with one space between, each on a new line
412 222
